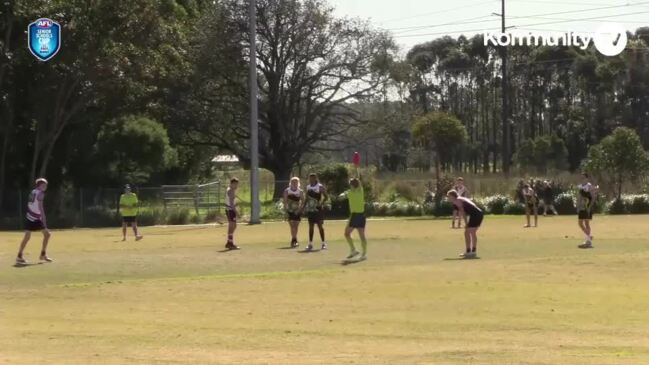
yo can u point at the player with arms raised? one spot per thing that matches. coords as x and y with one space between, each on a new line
316 196
293 203
231 212
35 220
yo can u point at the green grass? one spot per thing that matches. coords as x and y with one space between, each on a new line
173 298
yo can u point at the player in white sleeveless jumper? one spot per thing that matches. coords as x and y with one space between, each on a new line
293 204
316 196
35 220
463 192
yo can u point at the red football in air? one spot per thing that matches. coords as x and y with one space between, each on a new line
356 159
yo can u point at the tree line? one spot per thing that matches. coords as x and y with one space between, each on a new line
148 91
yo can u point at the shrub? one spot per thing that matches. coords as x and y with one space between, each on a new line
513 208
565 203
639 204
178 216
443 209
150 217
496 204
480 204
211 216
274 211
99 216
402 190
616 206
335 178
195 219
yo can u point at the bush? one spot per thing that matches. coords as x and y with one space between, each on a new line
195 219
274 211
335 178
211 216
443 209
401 190
496 204
150 217
480 204
639 204
565 204
512 208
616 206
178 216
99 216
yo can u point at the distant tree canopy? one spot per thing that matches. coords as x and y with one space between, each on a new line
132 148
618 159
440 133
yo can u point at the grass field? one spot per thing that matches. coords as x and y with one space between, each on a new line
173 298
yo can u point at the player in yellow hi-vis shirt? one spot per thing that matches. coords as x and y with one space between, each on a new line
356 197
128 208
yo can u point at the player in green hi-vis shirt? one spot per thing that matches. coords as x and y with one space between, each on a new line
355 196
128 208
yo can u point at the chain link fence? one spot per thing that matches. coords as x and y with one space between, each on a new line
99 207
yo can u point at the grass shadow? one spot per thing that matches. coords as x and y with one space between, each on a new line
461 258
20 266
351 261
226 250
309 251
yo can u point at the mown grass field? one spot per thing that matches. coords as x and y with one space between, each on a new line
173 298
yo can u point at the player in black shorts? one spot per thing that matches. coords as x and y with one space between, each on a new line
231 212
475 216
293 204
316 195
586 196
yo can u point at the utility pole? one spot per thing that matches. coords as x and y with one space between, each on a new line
254 124
506 161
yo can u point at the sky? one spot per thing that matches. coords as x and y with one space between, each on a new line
416 21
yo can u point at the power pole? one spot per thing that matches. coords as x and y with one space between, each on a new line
254 126
506 161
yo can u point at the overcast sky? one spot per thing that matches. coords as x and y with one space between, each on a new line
416 21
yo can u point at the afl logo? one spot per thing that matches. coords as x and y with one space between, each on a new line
44 38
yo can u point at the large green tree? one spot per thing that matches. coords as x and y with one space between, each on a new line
440 133
312 67
618 159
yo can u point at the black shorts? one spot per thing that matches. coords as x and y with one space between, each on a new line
585 215
475 221
232 216
531 207
36 225
129 220
294 217
357 220
316 217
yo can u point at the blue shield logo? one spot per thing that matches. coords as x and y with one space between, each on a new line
44 38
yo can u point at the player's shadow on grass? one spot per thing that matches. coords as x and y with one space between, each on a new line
350 262
286 248
226 250
20 266
461 258
309 251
